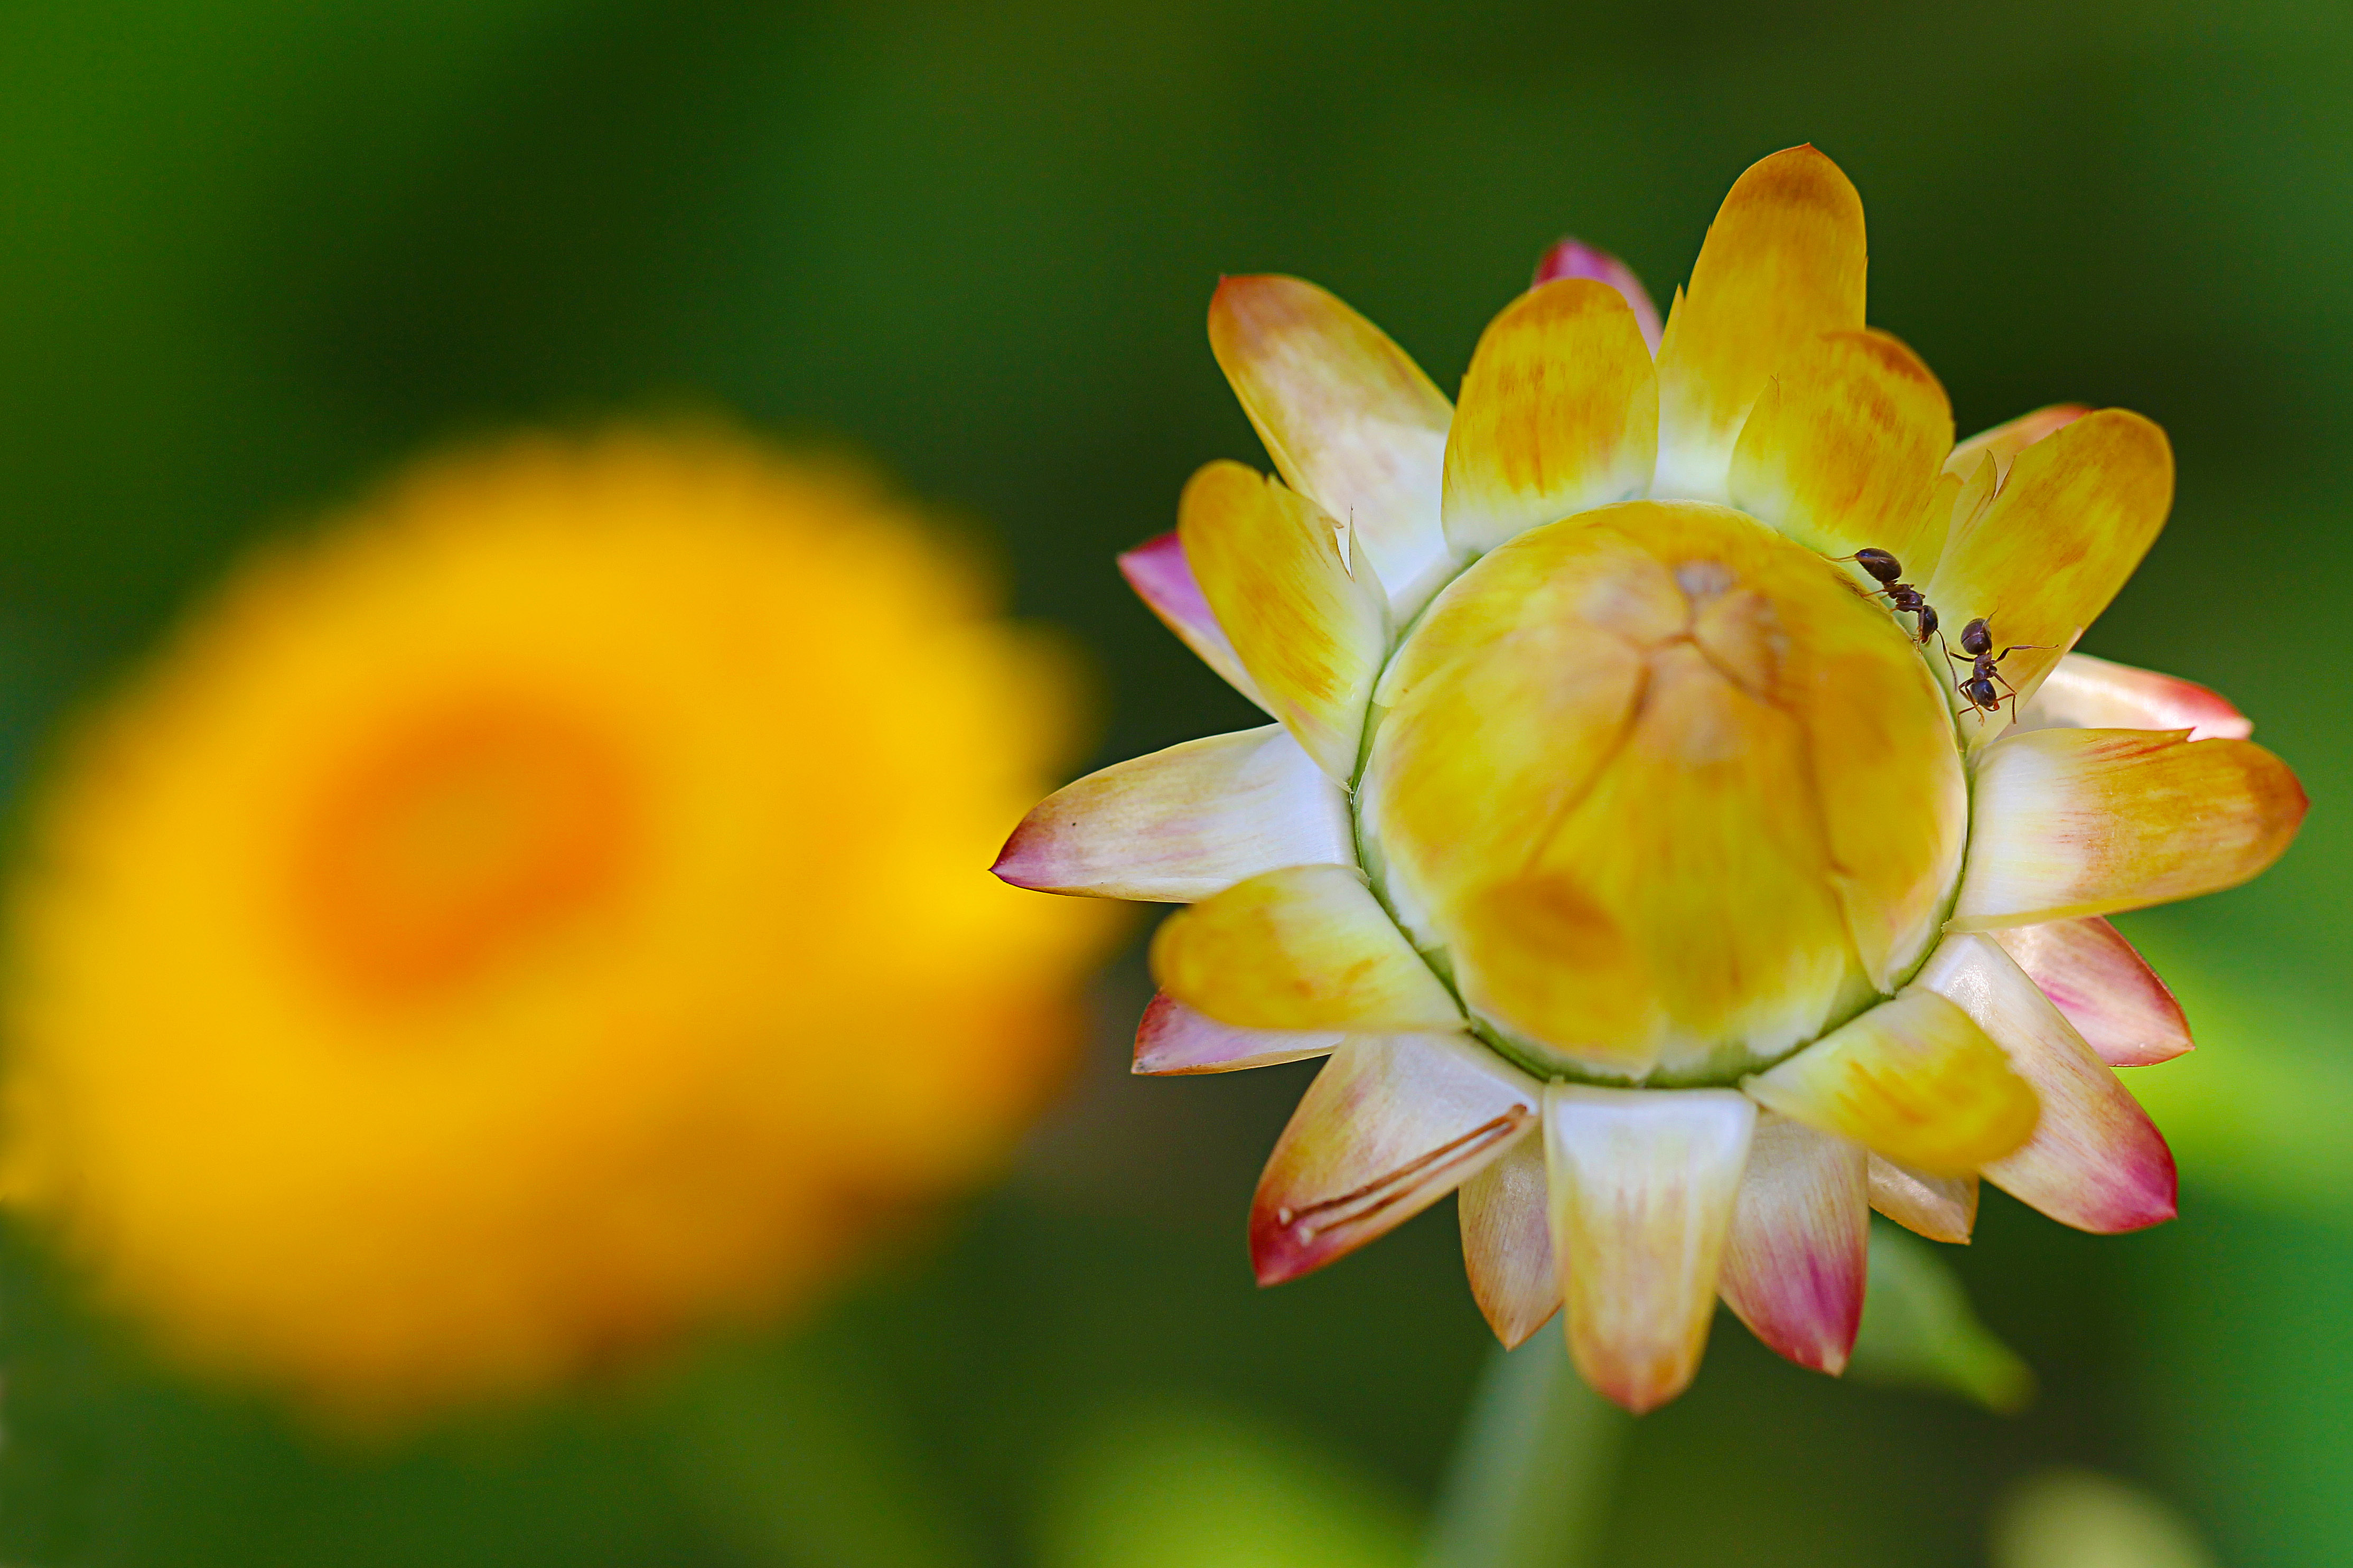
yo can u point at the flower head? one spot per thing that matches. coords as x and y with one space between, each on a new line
533 917
1653 868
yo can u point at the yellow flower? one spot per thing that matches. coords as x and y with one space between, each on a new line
537 916
1649 864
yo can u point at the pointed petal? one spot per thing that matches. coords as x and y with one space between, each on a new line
1392 1124
2003 442
1783 262
1507 1243
1941 1208
1914 1080
1181 825
1311 632
2116 1002
1173 1038
2071 522
1642 1185
1794 1265
2086 822
1559 413
1575 258
2088 693
1350 421
2096 1160
1303 948
1163 579
1842 448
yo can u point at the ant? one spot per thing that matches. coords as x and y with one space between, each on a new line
1902 598
1977 686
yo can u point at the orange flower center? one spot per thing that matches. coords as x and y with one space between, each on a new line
458 841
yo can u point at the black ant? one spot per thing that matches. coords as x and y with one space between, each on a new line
1977 686
1902 598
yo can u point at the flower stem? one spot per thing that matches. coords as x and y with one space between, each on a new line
1530 1481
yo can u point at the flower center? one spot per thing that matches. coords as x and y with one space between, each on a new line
458 839
1662 795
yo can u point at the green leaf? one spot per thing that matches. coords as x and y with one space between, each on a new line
1920 1332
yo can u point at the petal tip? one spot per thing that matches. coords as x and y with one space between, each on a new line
1021 863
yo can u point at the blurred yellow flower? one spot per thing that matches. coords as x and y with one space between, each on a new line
543 913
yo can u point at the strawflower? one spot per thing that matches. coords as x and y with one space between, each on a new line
538 915
1647 877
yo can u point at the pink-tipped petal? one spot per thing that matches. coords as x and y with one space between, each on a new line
1163 579
1794 1263
1643 1183
2116 1002
1350 420
1507 1243
1179 826
2096 1160
1941 1208
2088 693
1393 1123
1173 1038
1575 258
2003 442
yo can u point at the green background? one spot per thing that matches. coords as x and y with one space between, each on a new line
254 253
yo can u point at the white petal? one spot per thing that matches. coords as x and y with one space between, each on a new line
1642 1185
1181 825
1507 1242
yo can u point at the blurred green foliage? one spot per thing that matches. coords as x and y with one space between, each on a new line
254 252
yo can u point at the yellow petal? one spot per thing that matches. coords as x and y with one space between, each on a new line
1642 1185
2072 519
1348 418
1880 747
1173 1039
1303 948
2096 1160
2003 442
1783 263
2086 822
1794 1265
2088 693
1507 1243
1392 1124
1509 698
1181 825
1842 448
1914 1080
1163 579
1559 412
1941 1208
1308 624
1636 924
2116 1002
